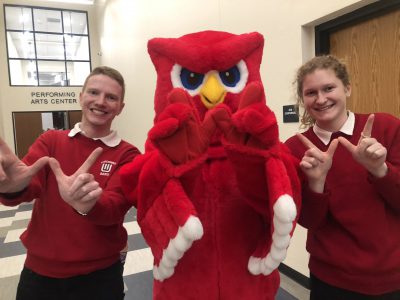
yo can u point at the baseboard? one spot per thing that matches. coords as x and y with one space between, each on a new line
294 275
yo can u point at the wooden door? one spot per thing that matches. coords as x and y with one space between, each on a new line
371 50
27 127
74 117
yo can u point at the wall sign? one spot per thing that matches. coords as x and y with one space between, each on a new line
53 98
290 114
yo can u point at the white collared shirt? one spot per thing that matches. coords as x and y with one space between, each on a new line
111 140
347 128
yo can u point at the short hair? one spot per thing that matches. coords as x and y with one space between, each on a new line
110 72
318 62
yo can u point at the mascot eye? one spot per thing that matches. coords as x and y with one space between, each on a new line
230 77
186 79
191 80
235 78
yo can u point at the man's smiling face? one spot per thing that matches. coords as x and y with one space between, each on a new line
101 101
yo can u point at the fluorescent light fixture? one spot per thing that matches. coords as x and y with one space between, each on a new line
87 2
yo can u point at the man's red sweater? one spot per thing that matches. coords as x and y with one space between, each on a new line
60 242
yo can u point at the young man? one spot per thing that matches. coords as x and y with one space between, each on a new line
76 232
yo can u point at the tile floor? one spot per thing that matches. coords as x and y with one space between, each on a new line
137 272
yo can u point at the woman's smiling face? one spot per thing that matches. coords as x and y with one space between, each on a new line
324 97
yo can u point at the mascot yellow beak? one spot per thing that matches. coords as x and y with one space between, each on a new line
212 93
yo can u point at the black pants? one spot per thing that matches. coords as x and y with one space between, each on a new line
106 284
323 291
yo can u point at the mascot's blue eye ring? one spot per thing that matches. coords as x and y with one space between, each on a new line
191 80
235 78
186 79
230 77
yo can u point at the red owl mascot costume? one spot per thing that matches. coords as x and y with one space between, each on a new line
217 194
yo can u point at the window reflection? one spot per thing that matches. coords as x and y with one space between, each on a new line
54 120
77 47
20 45
18 18
47 46
77 72
52 73
75 22
24 72
47 20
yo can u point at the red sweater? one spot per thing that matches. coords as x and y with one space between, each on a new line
354 227
61 243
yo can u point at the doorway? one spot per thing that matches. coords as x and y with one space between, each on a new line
29 125
368 40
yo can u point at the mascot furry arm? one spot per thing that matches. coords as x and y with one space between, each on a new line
213 137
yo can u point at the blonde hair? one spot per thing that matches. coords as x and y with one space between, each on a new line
110 72
317 63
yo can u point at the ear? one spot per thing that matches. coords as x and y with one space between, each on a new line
121 108
80 99
348 90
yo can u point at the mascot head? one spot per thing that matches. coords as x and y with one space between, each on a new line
212 66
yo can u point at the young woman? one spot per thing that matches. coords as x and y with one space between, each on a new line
351 188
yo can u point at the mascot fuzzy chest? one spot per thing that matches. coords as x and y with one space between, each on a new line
216 192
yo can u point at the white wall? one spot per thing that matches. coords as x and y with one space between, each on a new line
287 26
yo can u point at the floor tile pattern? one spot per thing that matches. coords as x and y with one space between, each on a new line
137 271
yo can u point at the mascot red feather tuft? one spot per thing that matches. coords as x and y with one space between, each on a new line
217 193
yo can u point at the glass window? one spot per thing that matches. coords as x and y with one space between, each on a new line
18 18
47 20
77 72
52 73
20 44
47 46
76 47
74 22
24 72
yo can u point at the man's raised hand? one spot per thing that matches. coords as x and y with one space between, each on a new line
368 152
14 174
80 190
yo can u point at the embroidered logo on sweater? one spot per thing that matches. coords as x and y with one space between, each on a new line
106 167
